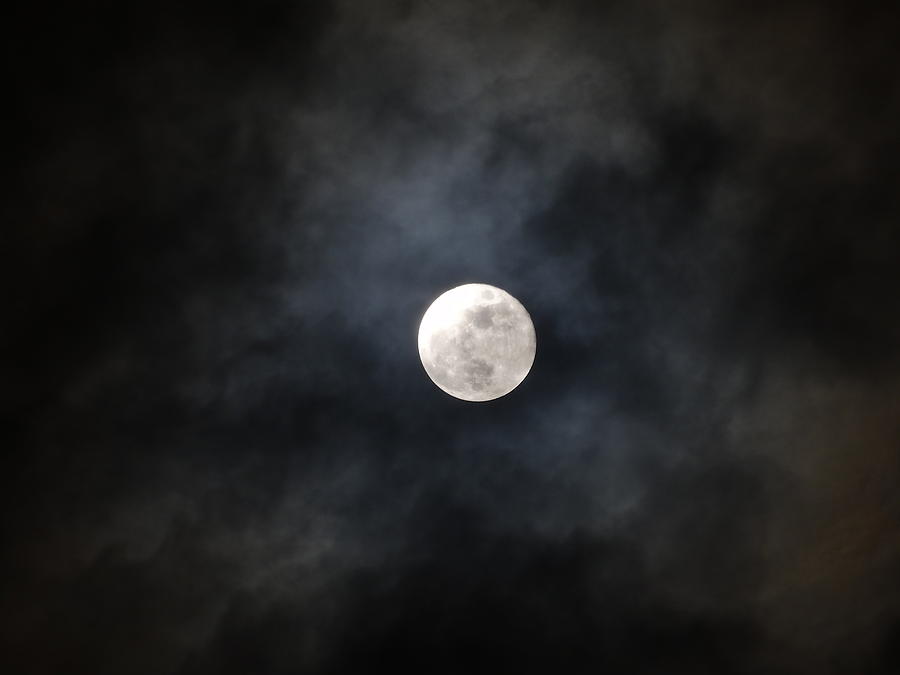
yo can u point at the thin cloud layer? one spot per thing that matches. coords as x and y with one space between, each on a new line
227 225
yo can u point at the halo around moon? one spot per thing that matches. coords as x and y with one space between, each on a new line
477 342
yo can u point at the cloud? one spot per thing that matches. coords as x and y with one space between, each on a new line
228 456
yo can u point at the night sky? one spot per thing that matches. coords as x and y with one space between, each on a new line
222 225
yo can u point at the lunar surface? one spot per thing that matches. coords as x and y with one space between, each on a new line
477 342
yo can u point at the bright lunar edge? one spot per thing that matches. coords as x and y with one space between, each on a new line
477 342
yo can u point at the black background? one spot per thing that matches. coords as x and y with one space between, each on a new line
223 224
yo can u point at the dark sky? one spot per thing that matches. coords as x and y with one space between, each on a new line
223 224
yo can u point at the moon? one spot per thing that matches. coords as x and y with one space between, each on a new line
477 342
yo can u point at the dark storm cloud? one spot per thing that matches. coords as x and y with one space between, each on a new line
228 458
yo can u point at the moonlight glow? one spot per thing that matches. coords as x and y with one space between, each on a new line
477 342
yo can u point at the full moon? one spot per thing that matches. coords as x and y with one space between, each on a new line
477 342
